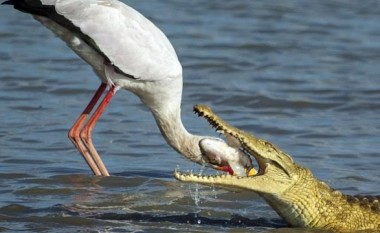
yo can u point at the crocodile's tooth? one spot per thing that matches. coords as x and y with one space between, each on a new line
218 128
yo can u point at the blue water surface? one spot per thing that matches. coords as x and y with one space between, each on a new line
301 74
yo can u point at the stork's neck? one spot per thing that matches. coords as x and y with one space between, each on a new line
171 126
163 98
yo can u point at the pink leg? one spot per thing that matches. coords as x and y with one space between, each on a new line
85 134
74 133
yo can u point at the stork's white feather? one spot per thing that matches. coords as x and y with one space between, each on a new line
130 41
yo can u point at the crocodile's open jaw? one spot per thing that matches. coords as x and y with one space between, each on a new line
224 129
276 168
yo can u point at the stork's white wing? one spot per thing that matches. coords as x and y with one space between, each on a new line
130 41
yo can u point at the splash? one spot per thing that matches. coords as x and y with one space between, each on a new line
197 196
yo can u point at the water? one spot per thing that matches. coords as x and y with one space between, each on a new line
302 74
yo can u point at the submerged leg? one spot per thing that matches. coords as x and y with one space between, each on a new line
85 134
74 133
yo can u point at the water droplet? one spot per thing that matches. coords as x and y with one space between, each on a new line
197 196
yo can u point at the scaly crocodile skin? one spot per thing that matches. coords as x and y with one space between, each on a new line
291 190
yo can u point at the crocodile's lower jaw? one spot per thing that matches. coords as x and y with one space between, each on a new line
191 177
211 179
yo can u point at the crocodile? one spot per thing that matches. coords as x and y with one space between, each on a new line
290 189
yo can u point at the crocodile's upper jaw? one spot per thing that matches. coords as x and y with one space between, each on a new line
277 172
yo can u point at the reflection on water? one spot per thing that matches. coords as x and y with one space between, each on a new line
300 74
